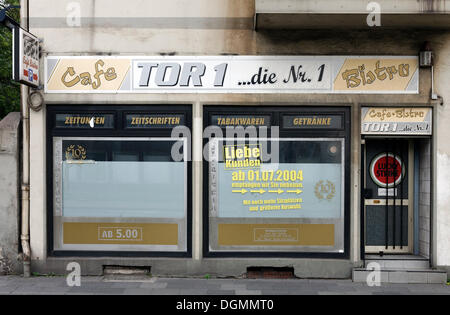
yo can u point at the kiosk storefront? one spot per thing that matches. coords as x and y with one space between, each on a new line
274 174
278 181
117 186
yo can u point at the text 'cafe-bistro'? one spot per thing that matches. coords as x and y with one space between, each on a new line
197 181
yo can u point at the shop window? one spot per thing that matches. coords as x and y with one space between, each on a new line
283 192
119 190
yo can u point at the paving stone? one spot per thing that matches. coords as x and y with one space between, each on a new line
97 289
49 289
254 286
231 286
126 285
328 293
220 292
389 293
193 285
157 285
138 291
25 292
193 292
188 286
288 292
79 293
248 292
166 291
10 290
441 289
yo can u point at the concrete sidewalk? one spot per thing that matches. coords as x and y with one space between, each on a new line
194 286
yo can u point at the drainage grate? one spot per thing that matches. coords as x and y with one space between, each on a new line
126 270
270 273
127 274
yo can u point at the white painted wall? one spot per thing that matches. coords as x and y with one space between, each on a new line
442 219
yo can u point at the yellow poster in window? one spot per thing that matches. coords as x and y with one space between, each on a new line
120 233
276 234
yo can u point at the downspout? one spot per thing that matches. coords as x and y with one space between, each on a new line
25 112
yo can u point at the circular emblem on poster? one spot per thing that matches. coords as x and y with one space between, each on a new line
387 170
324 190
77 152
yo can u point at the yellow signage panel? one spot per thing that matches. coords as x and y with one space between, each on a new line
88 74
276 234
120 233
376 74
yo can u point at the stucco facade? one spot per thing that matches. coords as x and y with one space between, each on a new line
201 28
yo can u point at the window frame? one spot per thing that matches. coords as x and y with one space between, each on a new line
120 131
277 113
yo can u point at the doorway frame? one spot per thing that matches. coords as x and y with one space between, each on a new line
405 250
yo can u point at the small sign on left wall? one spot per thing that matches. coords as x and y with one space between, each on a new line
25 57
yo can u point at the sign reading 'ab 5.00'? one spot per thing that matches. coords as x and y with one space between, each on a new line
232 74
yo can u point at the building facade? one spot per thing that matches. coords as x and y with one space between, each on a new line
205 137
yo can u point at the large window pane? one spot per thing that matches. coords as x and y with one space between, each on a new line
123 189
119 194
293 200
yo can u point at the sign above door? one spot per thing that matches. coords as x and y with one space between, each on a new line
396 121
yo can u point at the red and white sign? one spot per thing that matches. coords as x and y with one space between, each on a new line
387 170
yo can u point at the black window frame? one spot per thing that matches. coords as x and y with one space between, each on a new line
120 130
277 113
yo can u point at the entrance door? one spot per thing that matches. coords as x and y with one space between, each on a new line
387 195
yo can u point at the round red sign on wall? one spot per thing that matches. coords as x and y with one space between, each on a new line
387 170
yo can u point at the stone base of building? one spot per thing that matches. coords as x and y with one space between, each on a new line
213 267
